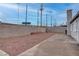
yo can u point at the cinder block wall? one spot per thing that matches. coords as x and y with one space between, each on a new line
17 30
58 29
73 25
75 29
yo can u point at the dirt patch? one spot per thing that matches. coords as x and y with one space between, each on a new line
16 45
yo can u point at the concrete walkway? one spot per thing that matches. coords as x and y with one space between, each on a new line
2 53
56 45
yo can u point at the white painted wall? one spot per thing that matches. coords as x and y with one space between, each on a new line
75 29
78 28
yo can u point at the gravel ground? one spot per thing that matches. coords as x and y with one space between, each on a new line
16 45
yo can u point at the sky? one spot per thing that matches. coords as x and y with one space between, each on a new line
9 12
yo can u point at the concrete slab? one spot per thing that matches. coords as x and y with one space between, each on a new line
57 45
2 53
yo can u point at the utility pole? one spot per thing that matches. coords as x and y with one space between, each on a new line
37 20
51 21
37 17
54 23
46 22
41 10
26 15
